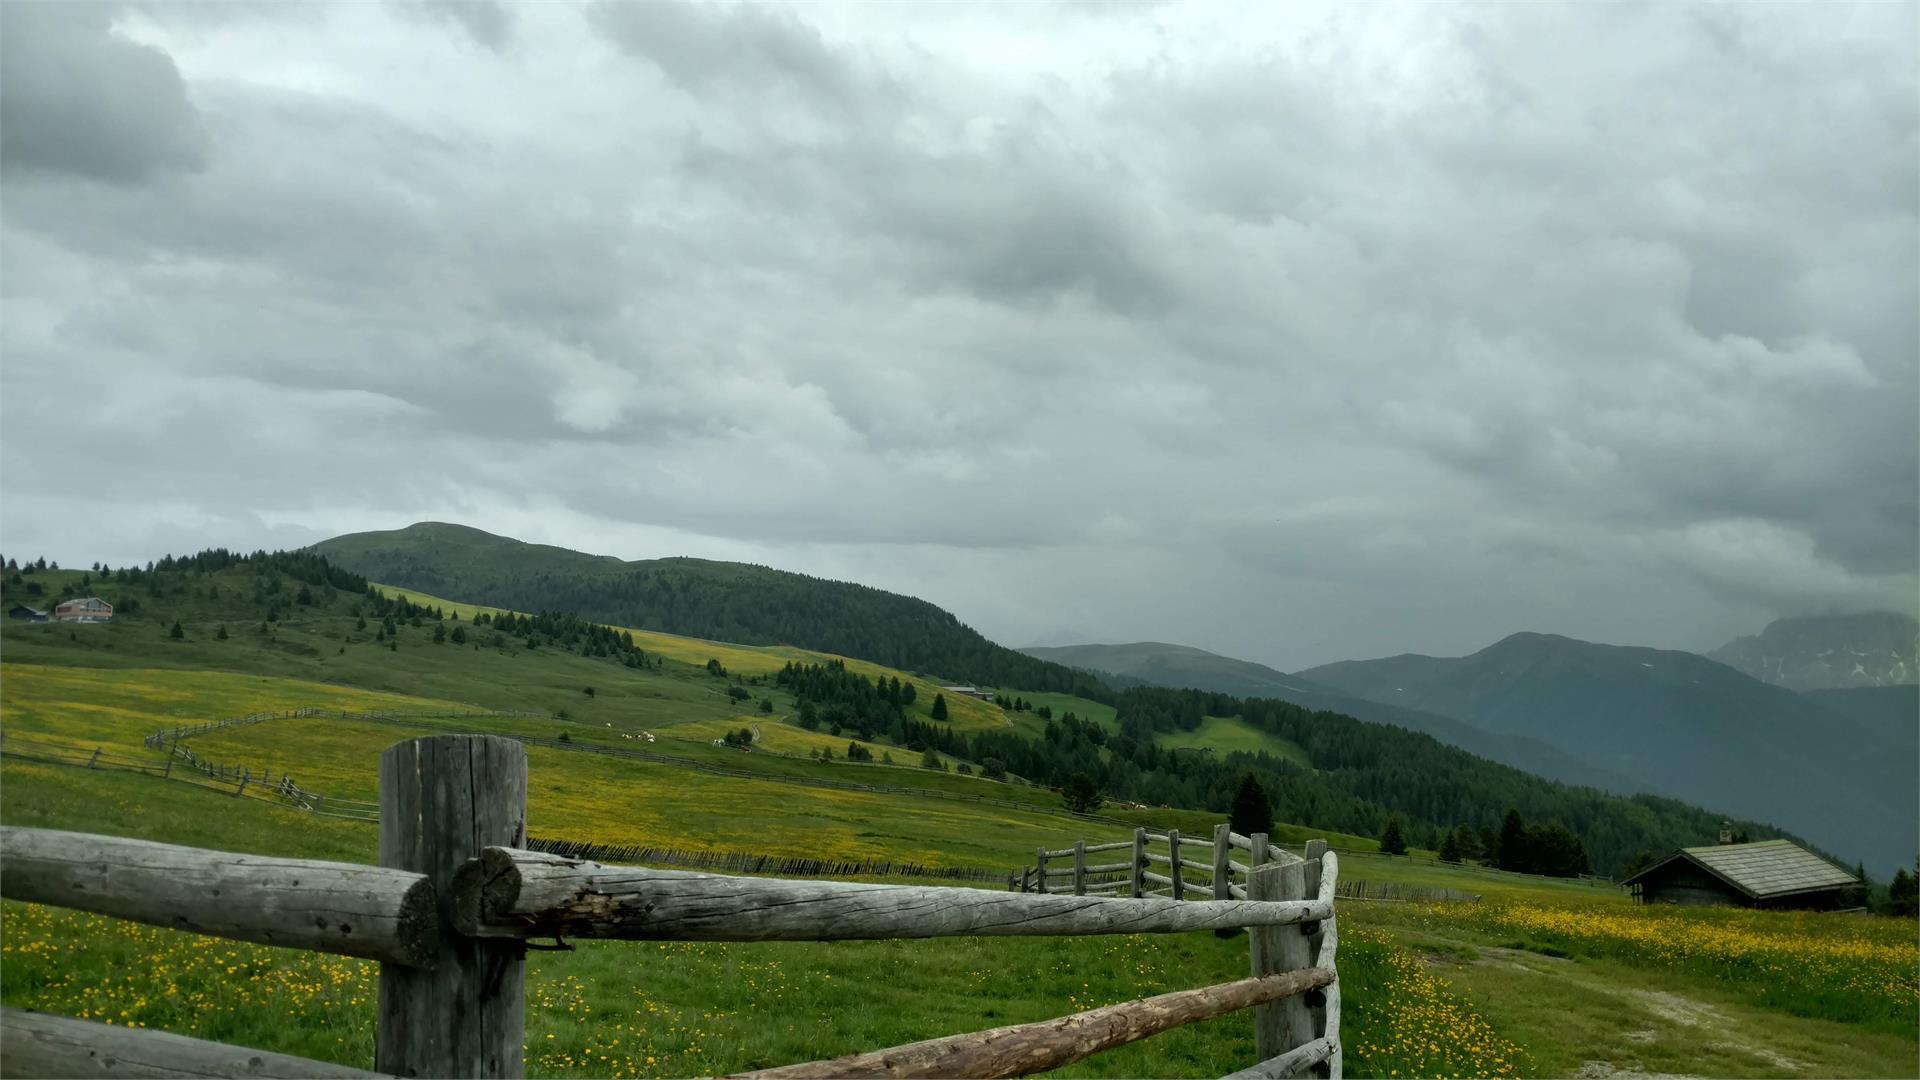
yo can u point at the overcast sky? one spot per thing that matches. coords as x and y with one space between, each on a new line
1296 333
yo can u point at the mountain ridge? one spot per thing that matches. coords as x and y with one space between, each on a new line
1690 727
722 601
1152 663
1825 652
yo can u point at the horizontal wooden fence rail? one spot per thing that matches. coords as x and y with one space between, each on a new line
40 1044
345 908
519 894
447 912
1021 1049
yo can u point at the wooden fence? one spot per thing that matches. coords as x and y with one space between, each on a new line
1398 893
1134 873
448 912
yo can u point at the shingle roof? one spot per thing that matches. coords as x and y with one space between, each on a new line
1769 868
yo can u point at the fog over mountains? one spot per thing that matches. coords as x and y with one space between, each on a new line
1818 652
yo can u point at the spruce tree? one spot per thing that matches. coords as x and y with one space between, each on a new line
178 632
1513 853
1080 794
1252 812
939 706
1450 847
1392 842
1903 898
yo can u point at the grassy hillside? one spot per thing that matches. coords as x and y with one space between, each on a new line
964 713
1227 734
720 601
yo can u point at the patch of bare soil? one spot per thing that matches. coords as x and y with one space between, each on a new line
1683 1011
1607 1070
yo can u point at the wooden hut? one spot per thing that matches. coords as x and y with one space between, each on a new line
1771 873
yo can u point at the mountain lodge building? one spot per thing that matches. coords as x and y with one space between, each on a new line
1768 874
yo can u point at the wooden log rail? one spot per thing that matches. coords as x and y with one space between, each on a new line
345 908
39 1044
518 894
1021 1049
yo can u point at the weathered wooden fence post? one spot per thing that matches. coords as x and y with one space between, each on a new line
94 758
1178 890
1040 875
1314 932
1079 868
442 799
1139 862
1222 881
1282 1025
1257 857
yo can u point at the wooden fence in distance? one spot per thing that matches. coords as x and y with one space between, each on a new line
1134 873
448 912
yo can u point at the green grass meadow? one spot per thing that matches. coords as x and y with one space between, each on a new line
1542 977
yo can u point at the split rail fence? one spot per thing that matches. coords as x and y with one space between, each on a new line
450 908
1134 874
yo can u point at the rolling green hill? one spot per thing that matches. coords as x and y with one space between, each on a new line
720 601
1689 727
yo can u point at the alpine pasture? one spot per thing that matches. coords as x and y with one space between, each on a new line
1541 977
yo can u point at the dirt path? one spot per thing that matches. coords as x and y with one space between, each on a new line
1598 1020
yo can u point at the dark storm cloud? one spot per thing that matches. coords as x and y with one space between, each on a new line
1297 333
77 99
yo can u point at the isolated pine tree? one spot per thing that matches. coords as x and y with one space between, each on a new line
221 634
1252 812
939 706
177 632
1450 847
1513 852
1080 794
1392 841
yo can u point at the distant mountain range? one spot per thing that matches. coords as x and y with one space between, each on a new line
719 601
1836 765
1821 652
1156 663
1682 724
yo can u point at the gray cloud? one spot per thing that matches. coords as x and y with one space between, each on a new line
80 100
758 49
1322 333
487 22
